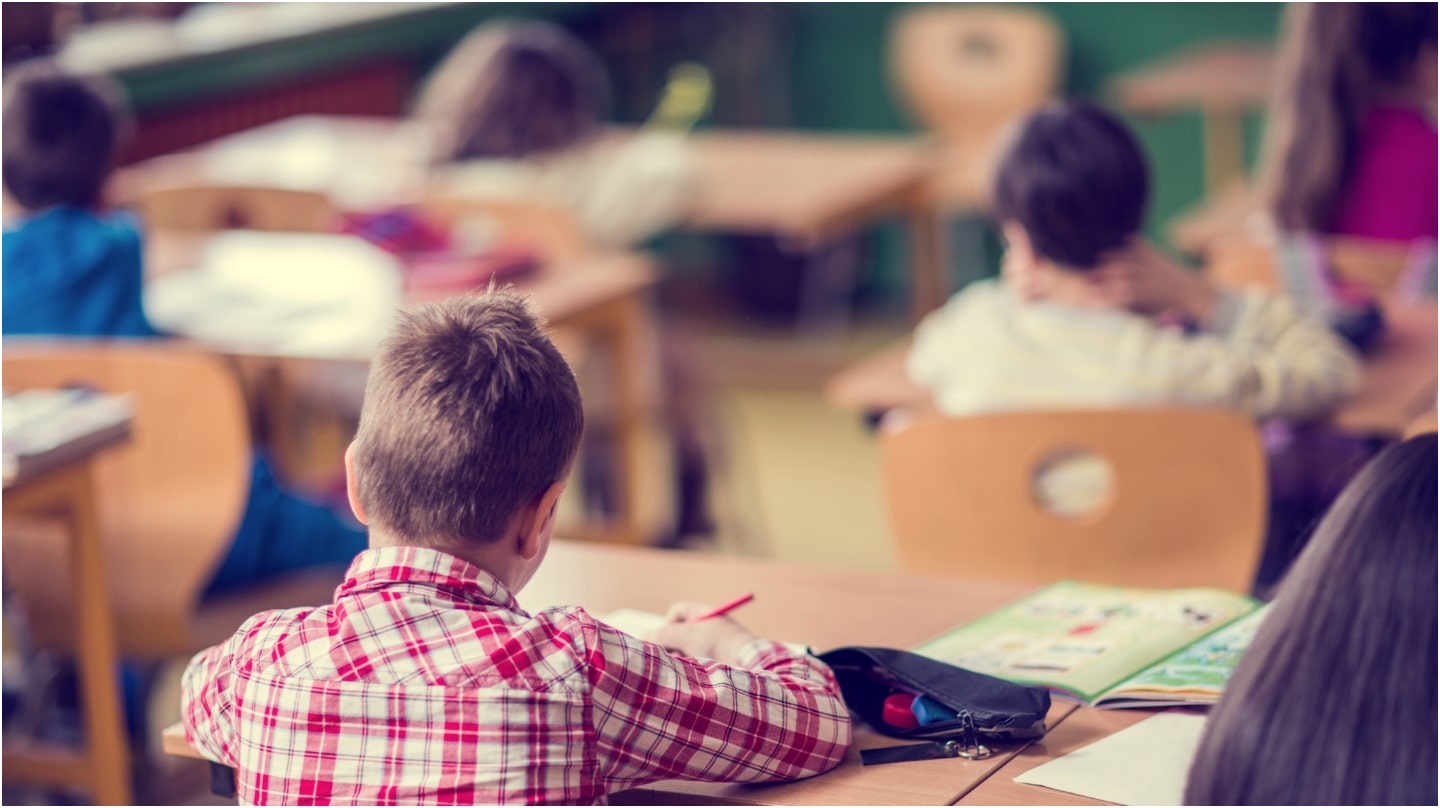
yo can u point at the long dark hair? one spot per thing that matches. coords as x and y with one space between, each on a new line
1334 703
514 90
1338 60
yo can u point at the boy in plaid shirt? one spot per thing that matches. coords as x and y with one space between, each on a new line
425 682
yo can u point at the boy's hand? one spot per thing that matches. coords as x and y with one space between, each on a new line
1142 279
717 638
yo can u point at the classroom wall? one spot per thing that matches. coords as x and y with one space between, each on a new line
815 66
837 78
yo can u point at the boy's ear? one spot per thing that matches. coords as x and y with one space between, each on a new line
352 485
539 520
1017 243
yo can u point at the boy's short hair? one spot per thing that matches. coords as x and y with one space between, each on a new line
61 132
470 414
1075 179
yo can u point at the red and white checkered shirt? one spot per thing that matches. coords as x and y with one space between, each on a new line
424 682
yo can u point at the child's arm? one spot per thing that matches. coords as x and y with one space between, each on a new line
207 710
762 712
1259 354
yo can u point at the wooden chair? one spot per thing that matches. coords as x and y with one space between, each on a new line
1186 506
168 502
967 71
221 207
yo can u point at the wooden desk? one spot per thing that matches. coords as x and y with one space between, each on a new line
65 492
1080 728
601 296
825 608
806 189
1399 384
1223 79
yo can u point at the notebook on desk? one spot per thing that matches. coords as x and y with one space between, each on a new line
46 428
1110 646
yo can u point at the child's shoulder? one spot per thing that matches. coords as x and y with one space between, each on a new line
69 223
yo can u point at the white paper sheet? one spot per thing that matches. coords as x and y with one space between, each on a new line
1144 764
634 622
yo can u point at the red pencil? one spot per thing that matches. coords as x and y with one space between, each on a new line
725 608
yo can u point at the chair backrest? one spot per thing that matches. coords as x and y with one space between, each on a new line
1186 504
169 501
222 207
547 228
965 71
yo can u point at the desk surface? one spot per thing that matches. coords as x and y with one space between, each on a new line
1234 75
1399 384
1080 728
562 291
824 608
799 185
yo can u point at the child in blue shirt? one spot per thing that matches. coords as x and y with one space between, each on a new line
70 270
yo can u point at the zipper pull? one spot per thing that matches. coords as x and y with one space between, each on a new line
970 746
932 750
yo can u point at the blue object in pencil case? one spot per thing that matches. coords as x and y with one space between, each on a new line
929 711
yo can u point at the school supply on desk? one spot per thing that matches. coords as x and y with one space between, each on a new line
45 428
946 703
434 260
1145 764
728 606
316 295
1110 646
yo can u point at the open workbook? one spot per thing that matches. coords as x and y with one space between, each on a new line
1110 646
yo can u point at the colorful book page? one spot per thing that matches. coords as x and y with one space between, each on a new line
1082 639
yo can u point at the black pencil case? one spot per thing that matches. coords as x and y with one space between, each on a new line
984 706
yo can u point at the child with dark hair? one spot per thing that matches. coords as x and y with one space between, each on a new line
1082 314
61 133
71 270
1334 702
1352 146
424 682
517 110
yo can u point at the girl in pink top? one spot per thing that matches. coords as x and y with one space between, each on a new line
1355 137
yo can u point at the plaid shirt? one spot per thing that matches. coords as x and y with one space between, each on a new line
426 683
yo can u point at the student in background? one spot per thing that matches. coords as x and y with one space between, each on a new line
1353 147
470 424
71 270
517 110
1334 702
1087 315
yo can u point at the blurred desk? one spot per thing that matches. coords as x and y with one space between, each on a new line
1223 79
1080 728
805 189
64 490
1399 385
602 296
806 604
809 189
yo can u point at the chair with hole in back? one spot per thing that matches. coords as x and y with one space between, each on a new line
169 500
965 72
1185 506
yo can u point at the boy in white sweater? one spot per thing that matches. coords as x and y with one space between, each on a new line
1087 315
